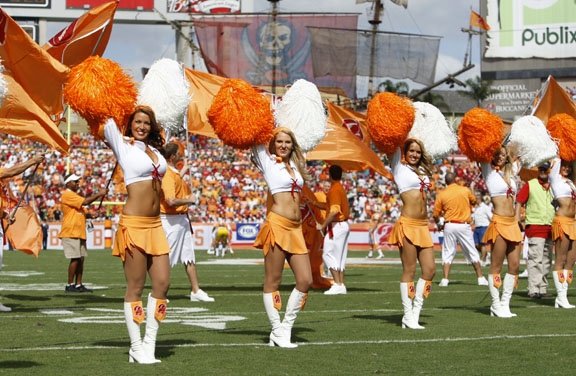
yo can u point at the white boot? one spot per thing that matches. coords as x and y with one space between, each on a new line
155 312
380 254
568 274
272 304
406 293
494 283
422 291
296 303
134 315
561 285
507 290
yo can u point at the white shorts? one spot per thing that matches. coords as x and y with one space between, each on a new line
177 228
336 249
455 233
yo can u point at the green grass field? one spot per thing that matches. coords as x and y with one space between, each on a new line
50 332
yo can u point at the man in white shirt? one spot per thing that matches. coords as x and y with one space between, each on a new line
481 217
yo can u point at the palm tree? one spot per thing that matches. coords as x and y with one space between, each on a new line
399 87
436 100
478 90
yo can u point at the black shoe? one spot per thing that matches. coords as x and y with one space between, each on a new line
535 295
83 288
71 288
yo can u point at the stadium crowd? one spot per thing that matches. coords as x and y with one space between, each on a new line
224 180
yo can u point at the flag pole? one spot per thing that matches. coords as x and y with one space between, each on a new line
108 185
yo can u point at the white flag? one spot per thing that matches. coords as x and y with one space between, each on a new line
404 3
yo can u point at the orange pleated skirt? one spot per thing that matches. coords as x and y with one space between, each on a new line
144 234
415 230
283 232
563 226
506 227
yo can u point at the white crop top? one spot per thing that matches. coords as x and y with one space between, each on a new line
495 181
275 173
405 177
131 155
561 187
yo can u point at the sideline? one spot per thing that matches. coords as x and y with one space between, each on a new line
332 343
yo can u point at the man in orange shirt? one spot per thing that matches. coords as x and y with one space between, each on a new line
455 203
73 231
336 230
174 202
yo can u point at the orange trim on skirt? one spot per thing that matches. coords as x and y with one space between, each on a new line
415 230
281 231
144 234
506 227
563 226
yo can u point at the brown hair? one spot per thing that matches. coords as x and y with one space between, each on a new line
155 137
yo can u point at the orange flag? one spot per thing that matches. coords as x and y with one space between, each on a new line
25 234
552 99
87 36
354 121
39 74
22 117
341 147
203 89
478 21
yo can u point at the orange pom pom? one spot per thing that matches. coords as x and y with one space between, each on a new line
480 134
563 128
98 89
240 115
389 118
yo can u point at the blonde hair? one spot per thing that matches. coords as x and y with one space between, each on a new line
296 154
425 162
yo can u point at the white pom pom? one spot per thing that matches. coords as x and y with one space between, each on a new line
431 127
531 141
3 85
301 109
166 90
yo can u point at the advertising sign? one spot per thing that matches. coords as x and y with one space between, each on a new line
513 97
25 3
531 28
147 5
204 6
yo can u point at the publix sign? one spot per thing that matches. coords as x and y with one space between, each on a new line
531 28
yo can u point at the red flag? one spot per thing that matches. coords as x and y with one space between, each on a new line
478 21
22 117
341 147
39 74
354 121
553 99
87 36
25 234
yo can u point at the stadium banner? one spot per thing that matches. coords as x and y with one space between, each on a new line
531 28
204 6
135 5
25 3
242 237
512 97
262 51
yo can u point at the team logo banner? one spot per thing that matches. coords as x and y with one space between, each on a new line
531 28
262 51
